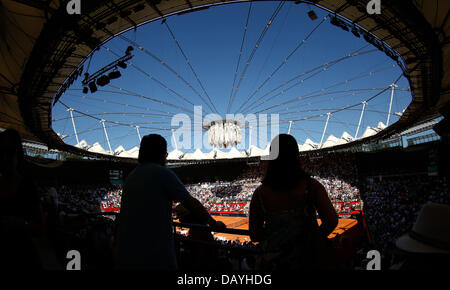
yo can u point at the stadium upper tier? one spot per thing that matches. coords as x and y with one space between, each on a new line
216 153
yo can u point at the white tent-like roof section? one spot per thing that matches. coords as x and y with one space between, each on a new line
220 154
345 138
134 152
83 144
309 145
331 141
197 155
119 150
211 154
216 153
370 131
381 125
125 154
300 148
234 153
175 154
255 151
97 148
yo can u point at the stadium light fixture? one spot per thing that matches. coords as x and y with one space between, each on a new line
336 22
355 32
312 15
122 64
93 87
102 77
114 75
103 80
129 50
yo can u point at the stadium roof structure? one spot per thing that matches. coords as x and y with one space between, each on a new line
197 155
97 148
219 154
255 151
43 50
330 142
419 128
175 155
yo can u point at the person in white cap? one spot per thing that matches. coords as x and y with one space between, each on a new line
427 245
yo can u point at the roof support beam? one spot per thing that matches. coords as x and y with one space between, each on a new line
41 5
123 15
153 5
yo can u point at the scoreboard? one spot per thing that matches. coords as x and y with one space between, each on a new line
116 176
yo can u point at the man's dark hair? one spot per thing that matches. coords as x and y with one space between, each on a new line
153 149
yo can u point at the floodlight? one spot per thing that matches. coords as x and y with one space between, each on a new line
103 80
114 75
93 87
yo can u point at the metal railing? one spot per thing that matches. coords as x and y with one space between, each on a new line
211 229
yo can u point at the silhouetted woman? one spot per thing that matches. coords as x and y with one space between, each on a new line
20 211
283 211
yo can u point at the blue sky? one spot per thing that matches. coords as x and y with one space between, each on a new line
211 40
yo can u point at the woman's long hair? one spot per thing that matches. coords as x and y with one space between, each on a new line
284 172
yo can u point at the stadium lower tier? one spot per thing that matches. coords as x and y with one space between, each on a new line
348 227
343 209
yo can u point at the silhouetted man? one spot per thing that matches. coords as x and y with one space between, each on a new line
145 234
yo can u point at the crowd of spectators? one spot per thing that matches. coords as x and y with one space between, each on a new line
112 198
332 165
83 198
339 190
392 205
336 172
72 223
232 197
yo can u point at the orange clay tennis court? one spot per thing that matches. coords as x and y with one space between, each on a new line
343 226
